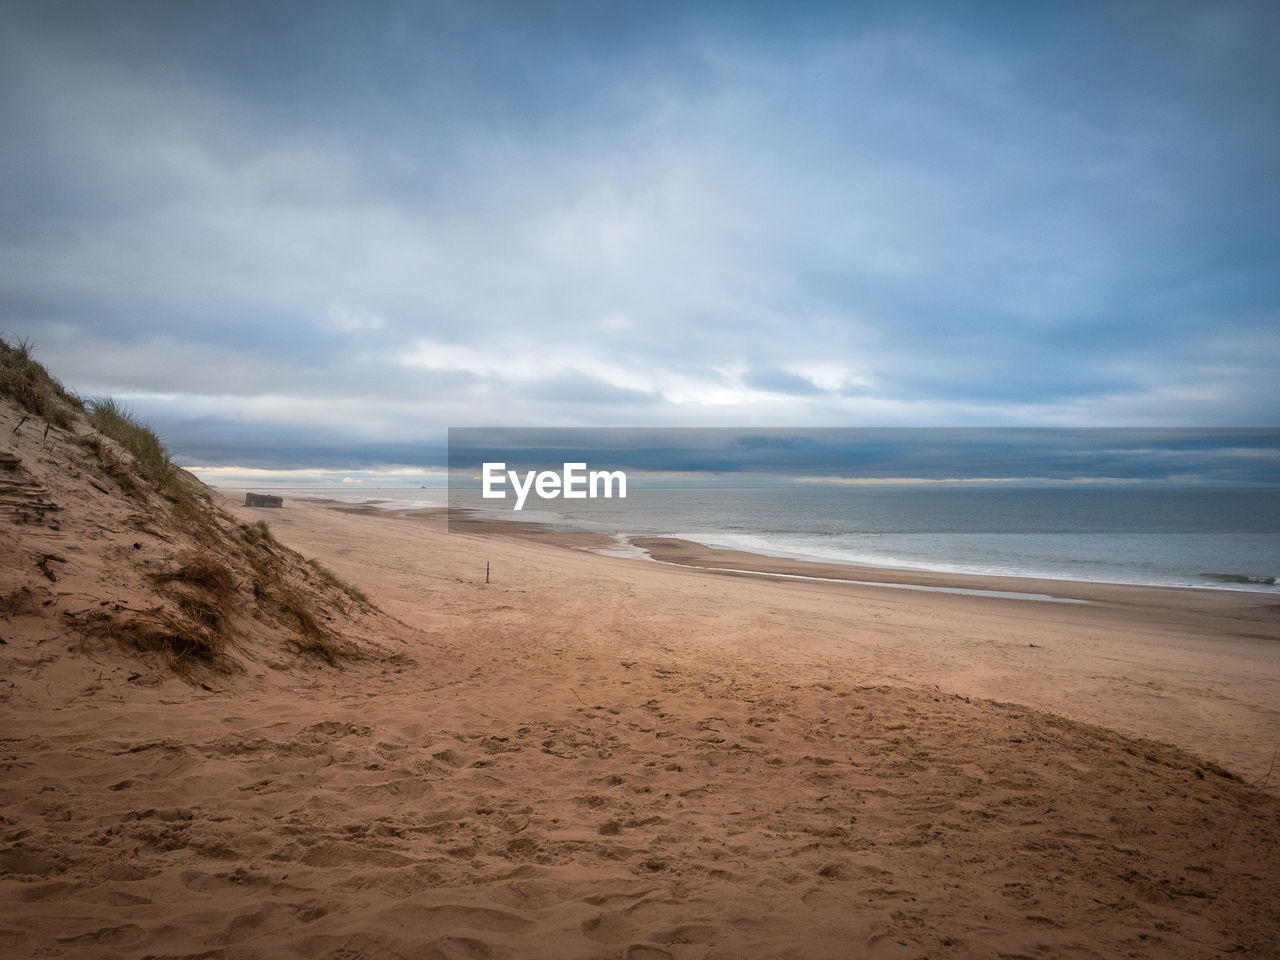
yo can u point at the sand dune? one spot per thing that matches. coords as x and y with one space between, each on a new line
591 757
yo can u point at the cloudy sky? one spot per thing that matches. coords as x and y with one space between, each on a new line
309 234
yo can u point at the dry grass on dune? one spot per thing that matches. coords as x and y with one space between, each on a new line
177 575
28 384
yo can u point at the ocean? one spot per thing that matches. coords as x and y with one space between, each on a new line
1190 536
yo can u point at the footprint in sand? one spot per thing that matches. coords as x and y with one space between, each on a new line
475 918
332 729
884 946
608 927
457 948
644 951
125 935
353 948
688 933
449 758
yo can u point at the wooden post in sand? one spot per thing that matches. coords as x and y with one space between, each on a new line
486 571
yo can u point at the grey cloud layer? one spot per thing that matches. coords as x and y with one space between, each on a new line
392 218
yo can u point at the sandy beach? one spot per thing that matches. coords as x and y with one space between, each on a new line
591 756
615 481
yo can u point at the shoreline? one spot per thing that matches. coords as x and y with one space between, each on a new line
699 556
713 559
906 575
1248 614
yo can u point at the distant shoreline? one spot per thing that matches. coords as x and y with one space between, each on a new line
1213 611
1235 561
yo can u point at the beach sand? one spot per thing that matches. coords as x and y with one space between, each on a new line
598 757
